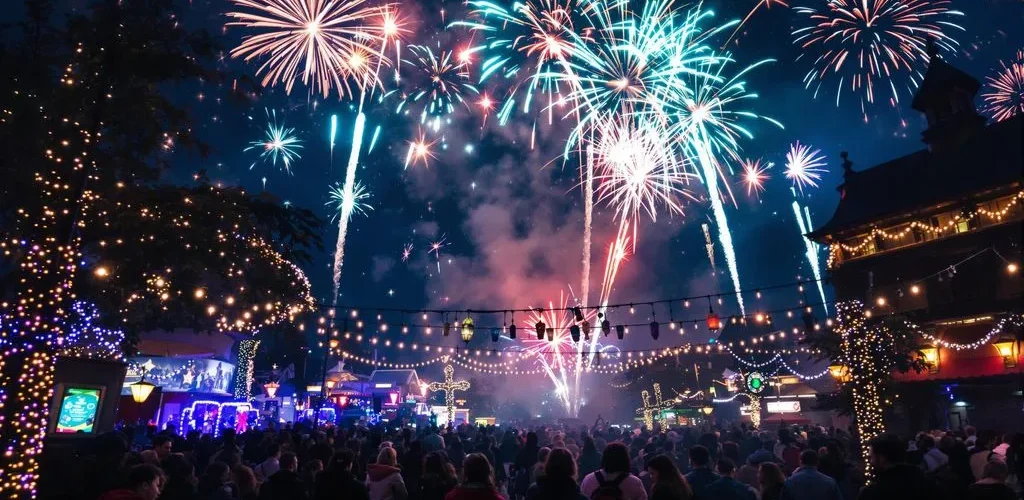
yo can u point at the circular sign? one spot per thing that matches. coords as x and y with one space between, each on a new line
755 382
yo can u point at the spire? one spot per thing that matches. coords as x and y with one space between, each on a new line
946 98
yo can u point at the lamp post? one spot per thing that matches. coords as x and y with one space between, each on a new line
141 390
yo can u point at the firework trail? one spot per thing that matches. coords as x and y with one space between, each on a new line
710 123
330 41
812 247
767 4
588 219
436 247
1003 94
279 142
866 45
406 252
343 203
709 245
804 165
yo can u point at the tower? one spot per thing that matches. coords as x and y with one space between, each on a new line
946 98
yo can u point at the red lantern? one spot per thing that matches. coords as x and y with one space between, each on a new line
714 322
342 400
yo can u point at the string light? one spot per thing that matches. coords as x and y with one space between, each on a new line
244 374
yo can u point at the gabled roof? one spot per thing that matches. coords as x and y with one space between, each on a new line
394 377
991 159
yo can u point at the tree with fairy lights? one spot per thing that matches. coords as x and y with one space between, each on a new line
87 126
866 349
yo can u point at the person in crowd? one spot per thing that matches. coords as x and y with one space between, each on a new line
787 451
246 485
538 468
310 470
613 480
412 466
833 464
456 451
559 479
770 481
384 478
216 482
478 481
338 482
931 456
180 482
285 483
727 487
807 483
162 446
144 483
432 441
992 485
590 458
228 452
982 452
894 477
438 477
272 463
666 481
700 475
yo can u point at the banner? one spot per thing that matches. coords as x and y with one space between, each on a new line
202 375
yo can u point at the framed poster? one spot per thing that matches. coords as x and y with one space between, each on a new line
77 409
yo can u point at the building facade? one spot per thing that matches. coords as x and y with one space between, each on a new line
935 236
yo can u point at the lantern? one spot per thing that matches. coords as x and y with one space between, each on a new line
1005 350
540 330
707 409
551 334
467 329
271 388
333 343
620 331
512 331
141 390
714 322
840 373
574 330
330 384
447 328
577 314
586 329
931 357
495 334
654 330
606 327
342 400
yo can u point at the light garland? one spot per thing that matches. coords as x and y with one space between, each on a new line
86 340
859 343
1016 320
997 215
800 375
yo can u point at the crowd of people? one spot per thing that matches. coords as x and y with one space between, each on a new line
493 463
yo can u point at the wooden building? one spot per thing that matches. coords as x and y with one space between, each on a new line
936 237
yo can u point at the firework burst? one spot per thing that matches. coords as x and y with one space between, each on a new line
804 165
767 4
868 46
755 174
420 150
279 142
1003 94
343 204
439 81
329 44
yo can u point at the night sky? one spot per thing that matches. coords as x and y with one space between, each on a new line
512 216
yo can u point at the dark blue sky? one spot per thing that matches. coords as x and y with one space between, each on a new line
512 220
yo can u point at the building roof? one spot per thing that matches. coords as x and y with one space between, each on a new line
393 377
989 160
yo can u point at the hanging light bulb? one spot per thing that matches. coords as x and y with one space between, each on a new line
606 326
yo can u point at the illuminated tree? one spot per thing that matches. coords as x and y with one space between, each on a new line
86 125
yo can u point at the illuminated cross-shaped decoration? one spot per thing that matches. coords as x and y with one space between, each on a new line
647 410
449 386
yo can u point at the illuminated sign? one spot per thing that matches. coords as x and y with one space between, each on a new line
382 386
783 407
202 375
78 409
393 398
755 382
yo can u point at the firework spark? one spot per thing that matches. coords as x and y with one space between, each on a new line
1003 94
866 45
406 252
804 165
755 174
347 205
767 4
811 246
435 248
279 142
331 42
420 150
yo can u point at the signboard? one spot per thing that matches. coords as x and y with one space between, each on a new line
783 407
755 382
78 409
200 375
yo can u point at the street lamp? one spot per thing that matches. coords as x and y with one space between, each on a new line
840 373
467 330
931 357
707 409
141 390
271 388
